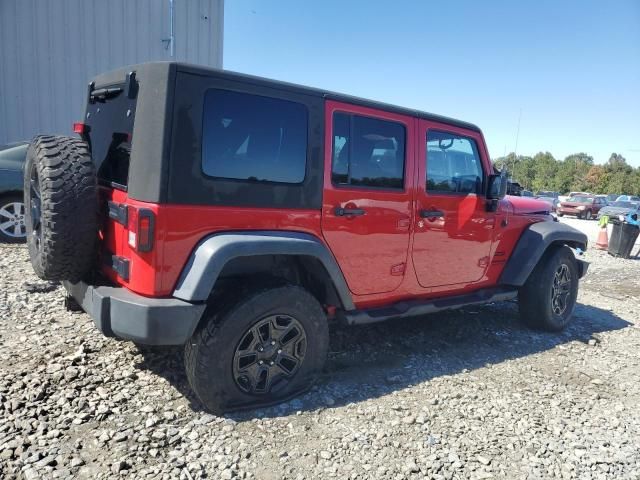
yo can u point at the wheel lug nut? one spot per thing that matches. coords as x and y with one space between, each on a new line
273 342
279 351
260 362
271 363
260 349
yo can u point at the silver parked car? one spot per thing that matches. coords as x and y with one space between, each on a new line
553 201
12 214
619 208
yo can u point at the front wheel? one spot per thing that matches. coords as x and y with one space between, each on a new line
588 215
264 348
548 298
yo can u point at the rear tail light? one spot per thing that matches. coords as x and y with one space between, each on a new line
80 128
141 224
145 230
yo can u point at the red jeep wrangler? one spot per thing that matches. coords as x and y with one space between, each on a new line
238 216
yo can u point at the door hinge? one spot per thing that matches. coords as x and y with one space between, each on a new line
118 212
121 266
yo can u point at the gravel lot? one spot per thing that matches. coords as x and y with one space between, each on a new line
468 394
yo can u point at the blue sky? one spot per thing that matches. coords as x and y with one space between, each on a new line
572 67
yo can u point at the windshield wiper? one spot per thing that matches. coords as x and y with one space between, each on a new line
102 94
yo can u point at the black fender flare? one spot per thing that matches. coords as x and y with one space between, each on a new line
531 246
211 255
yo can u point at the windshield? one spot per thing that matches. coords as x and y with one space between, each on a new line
580 199
621 204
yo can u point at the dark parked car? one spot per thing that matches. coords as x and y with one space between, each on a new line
548 194
514 188
582 206
12 228
620 208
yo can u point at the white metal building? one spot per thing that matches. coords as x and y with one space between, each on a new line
49 49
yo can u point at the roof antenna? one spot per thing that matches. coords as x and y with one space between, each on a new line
515 151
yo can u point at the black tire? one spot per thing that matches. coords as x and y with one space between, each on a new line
540 299
12 219
588 215
560 214
210 355
60 197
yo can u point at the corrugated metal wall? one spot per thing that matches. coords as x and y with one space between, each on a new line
49 49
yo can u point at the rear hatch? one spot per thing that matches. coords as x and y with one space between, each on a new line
126 126
108 128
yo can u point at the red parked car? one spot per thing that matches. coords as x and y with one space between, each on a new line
238 216
582 206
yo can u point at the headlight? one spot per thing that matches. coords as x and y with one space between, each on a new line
581 207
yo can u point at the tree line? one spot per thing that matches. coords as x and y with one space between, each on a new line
577 172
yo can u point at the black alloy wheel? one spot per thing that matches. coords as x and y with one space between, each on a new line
561 289
269 355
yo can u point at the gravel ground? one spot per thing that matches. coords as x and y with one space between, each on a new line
467 394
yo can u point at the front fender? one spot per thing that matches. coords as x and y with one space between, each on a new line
211 255
11 181
533 242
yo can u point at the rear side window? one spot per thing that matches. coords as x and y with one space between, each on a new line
251 137
367 152
453 163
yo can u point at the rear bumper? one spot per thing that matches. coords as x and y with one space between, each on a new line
118 312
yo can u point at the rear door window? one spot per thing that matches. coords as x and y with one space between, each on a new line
254 138
367 152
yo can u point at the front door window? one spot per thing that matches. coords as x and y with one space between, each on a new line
453 164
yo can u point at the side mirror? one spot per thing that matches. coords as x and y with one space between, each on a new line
497 186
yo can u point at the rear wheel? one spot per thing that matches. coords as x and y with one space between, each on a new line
548 298
12 219
264 347
588 215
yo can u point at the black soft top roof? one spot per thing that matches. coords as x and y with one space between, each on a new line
215 72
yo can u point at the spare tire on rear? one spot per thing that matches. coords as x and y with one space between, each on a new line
60 197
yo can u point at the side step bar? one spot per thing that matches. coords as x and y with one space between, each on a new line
414 308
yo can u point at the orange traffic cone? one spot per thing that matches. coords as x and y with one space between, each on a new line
602 243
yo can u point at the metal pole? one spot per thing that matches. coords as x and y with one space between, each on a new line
172 37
